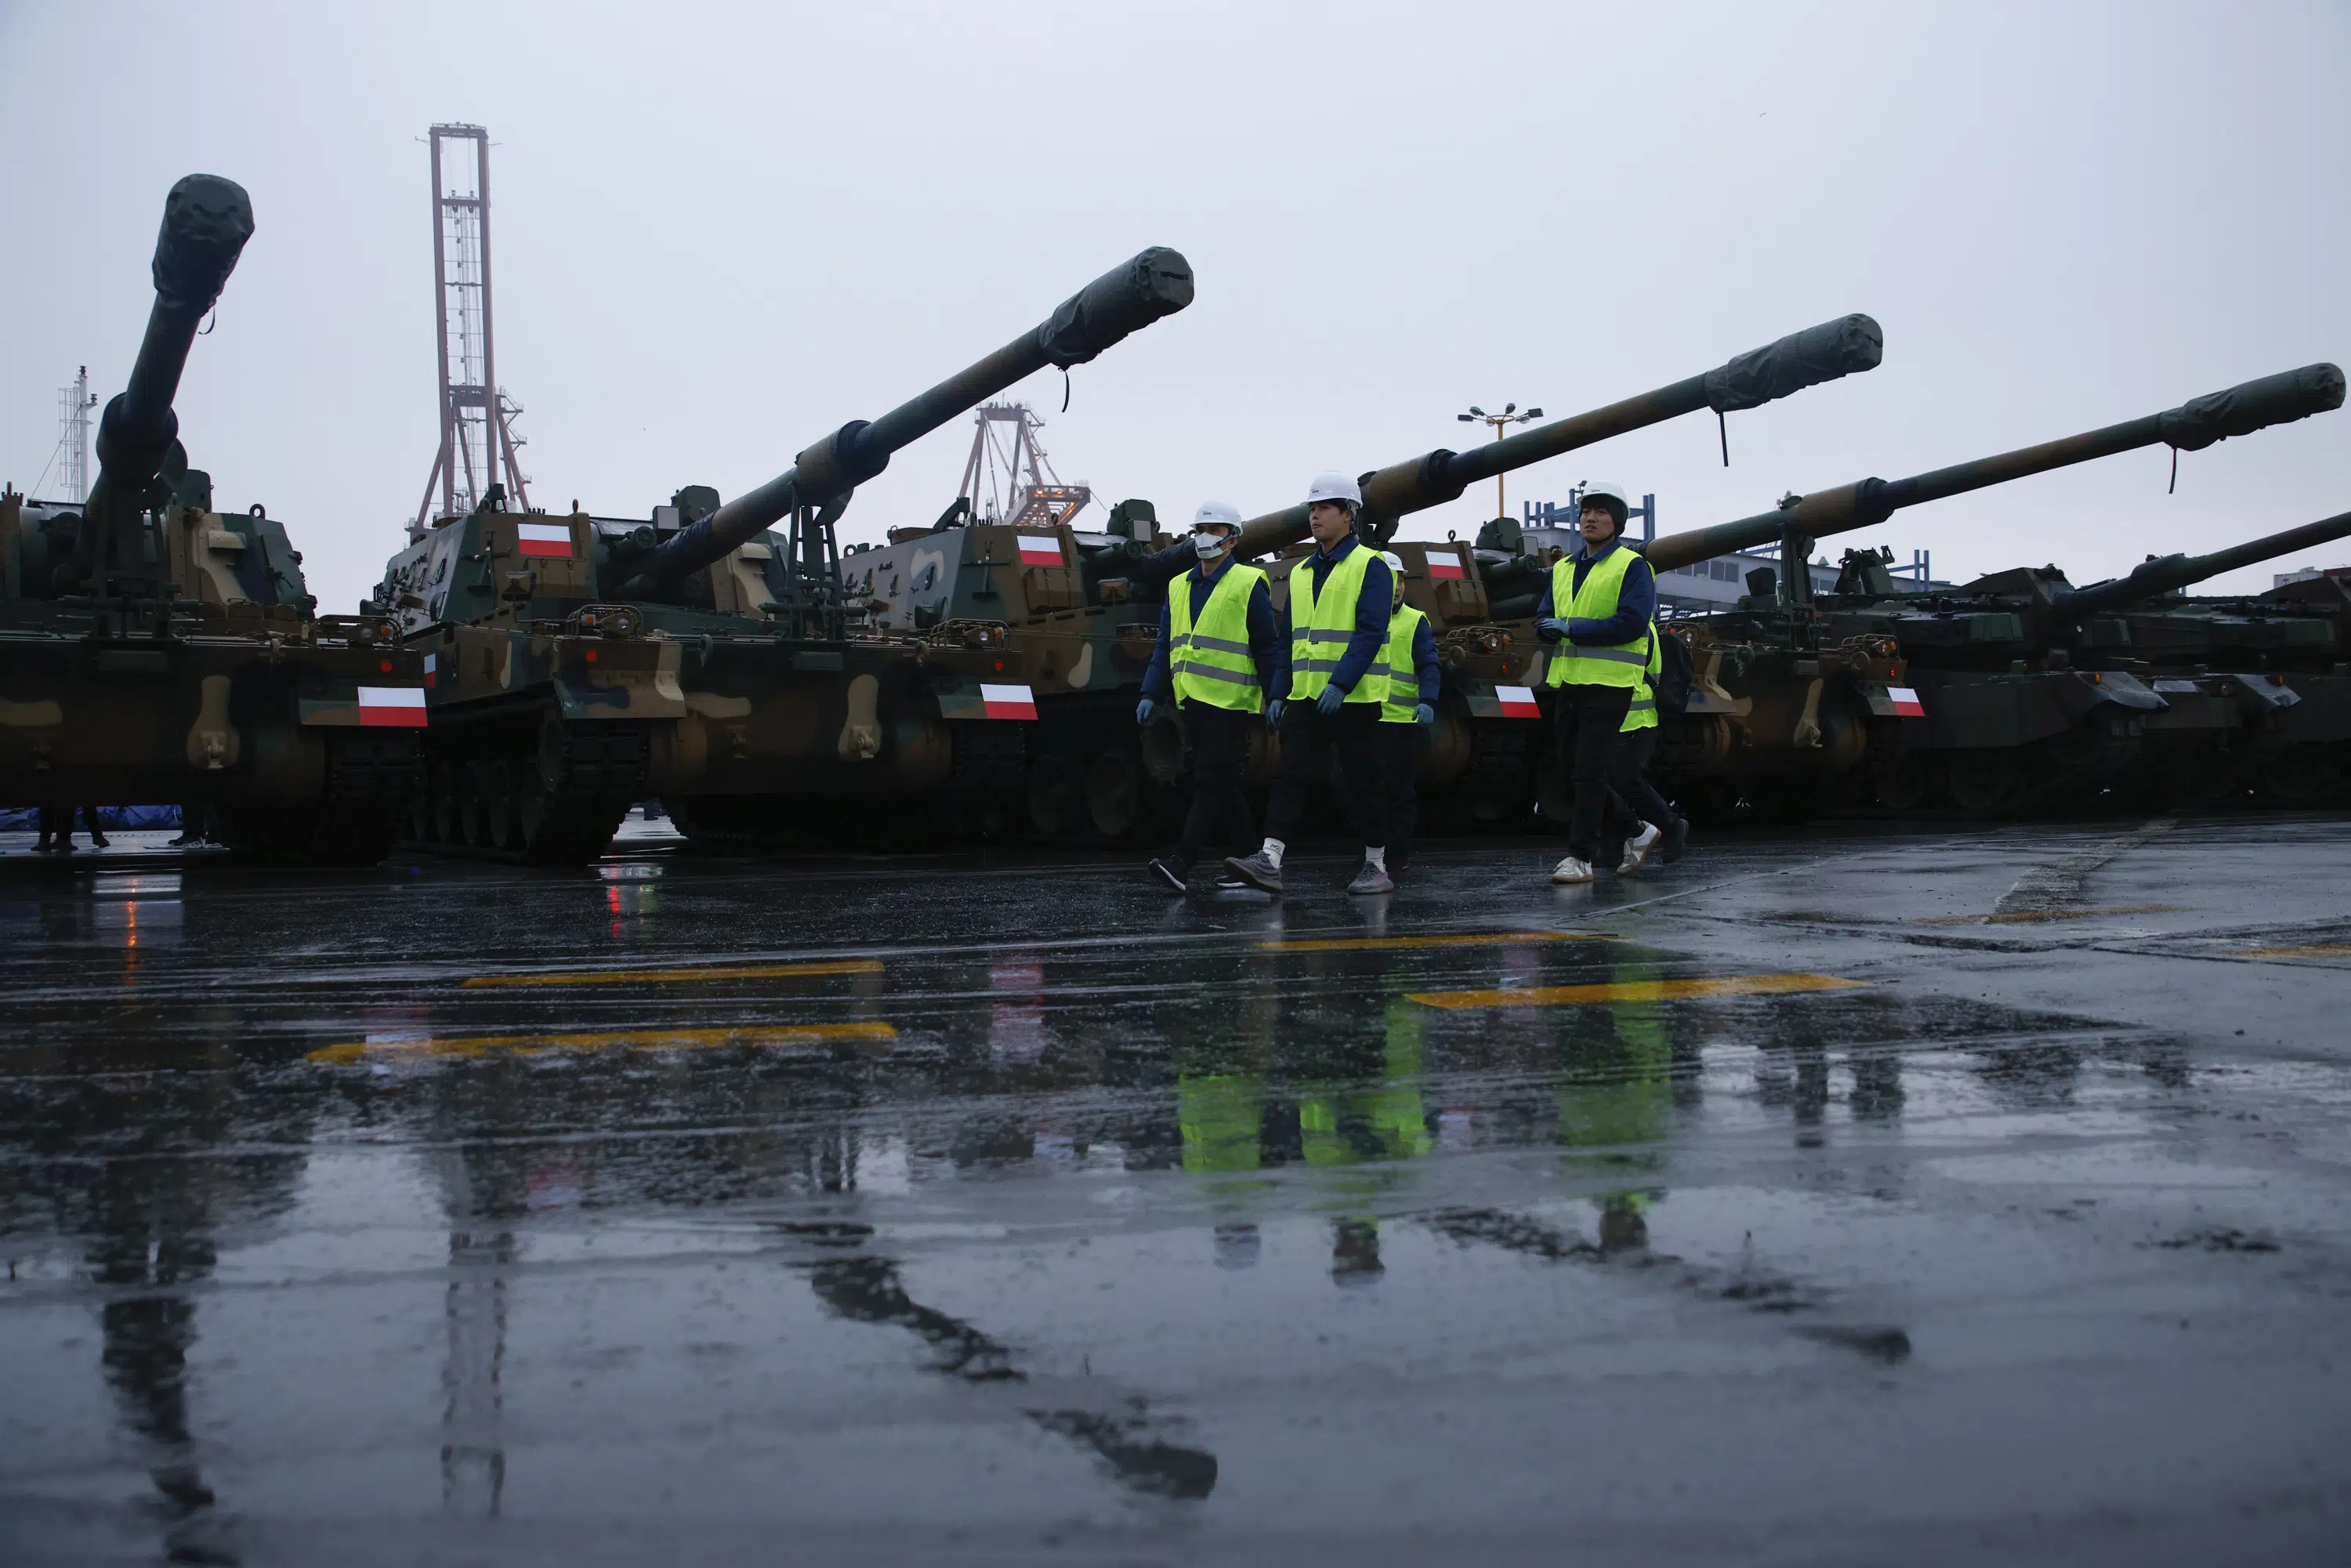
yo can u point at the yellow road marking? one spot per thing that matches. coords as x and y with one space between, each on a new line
722 972
1637 991
1482 939
2033 916
2316 950
605 1040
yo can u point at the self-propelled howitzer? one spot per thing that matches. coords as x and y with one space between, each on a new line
155 651
582 663
1795 694
2240 701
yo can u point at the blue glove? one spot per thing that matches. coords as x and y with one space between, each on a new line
1273 712
1553 626
1144 710
1423 714
1328 703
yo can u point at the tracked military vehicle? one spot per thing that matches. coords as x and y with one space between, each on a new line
1934 700
577 664
154 649
2223 709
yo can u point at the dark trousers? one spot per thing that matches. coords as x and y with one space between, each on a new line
1628 779
1307 740
1586 728
1400 770
1220 738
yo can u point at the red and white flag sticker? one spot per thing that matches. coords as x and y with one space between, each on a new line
1518 702
1040 549
1446 568
1906 703
432 670
391 705
1008 702
545 538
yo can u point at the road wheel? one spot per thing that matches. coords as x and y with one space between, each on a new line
447 786
1905 781
1115 793
473 823
1986 783
501 811
1057 794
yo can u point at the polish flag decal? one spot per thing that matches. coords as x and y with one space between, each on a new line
432 669
1518 702
1906 703
1040 549
545 539
1445 570
400 705
1008 702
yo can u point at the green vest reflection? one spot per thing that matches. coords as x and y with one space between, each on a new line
1222 1117
1616 1100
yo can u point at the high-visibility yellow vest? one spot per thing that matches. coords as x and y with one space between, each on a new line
1395 664
1595 601
1642 713
1322 625
1210 662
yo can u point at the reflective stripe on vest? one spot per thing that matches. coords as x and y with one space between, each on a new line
1620 665
1322 625
1395 663
1210 662
1643 713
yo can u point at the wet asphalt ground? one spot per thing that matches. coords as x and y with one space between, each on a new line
1849 1196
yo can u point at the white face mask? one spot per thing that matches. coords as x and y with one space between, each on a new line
1209 546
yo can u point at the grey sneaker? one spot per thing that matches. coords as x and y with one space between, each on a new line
1371 879
1257 871
1676 840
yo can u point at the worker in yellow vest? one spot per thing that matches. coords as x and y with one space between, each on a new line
1337 623
1596 616
1218 659
1416 681
1628 773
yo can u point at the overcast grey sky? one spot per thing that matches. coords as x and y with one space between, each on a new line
722 230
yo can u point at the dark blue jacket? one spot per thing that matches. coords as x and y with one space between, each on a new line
1268 648
1423 663
1371 612
1637 606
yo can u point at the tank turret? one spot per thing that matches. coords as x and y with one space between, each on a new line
1823 353
2193 426
2170 573
1155 283
206 221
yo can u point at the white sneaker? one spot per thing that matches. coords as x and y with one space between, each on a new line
1638 849
1570 870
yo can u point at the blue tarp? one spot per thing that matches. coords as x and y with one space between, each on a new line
26 819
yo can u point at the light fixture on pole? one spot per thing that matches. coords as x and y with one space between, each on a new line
1501 422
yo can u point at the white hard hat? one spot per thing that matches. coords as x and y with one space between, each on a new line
1335 486
1223 514
1606 489
1395 561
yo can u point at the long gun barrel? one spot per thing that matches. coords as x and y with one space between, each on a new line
2149 579
1807 358
206 221
2193 426
1121 301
